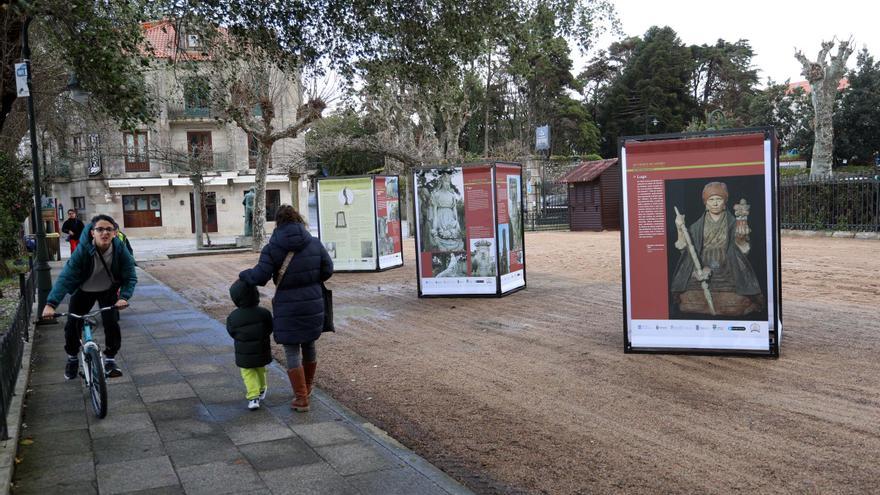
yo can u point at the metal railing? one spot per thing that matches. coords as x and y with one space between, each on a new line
843 202
551 218
182 112
219 161
12 348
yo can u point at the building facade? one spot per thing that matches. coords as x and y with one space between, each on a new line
142 177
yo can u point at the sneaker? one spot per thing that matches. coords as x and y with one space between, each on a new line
111 368
71 368
264 393
254 404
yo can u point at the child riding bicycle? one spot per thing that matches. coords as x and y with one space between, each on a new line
102 271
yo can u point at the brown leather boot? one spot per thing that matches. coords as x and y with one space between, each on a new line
300 403
309 370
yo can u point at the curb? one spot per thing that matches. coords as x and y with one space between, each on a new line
208 252
838 234
9 448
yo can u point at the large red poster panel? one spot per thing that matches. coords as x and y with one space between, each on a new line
456 231
698 242
511 240
388 221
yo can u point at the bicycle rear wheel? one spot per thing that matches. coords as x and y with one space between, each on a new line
97 382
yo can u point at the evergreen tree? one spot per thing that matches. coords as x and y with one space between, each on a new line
857 118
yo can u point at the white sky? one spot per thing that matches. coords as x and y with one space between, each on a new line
774 28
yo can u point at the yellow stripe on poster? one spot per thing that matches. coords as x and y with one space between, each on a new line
687 167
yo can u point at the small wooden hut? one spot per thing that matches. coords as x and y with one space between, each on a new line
594 195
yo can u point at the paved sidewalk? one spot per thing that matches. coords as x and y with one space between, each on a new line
178 422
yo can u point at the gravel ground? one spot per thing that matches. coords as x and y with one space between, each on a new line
532 393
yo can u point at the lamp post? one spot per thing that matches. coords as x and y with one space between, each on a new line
41 266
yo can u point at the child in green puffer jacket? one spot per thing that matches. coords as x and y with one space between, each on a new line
250 326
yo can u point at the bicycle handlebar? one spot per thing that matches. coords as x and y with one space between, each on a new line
87 315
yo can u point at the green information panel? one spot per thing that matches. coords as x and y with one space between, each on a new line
347 222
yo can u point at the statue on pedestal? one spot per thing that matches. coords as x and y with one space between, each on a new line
248 203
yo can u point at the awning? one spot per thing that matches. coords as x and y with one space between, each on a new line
145 182
229 180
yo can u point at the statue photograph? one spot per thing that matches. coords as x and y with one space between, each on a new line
514 211
441 205
449 265
714 274
482 257
504 239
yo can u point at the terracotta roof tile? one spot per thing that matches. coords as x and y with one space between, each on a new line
162 35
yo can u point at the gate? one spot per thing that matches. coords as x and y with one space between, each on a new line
547 206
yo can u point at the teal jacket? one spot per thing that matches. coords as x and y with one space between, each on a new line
79 268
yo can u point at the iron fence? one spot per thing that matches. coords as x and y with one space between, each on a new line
12 348
547 196
843 202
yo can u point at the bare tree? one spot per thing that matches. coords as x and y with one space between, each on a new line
824 78
257 95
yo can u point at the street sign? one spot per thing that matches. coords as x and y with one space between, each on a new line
21 77
542 138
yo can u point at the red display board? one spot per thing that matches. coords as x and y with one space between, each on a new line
469 238
700 242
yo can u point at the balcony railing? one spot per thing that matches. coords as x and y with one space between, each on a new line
178 112
218 162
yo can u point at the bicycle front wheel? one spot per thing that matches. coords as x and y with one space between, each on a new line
97 382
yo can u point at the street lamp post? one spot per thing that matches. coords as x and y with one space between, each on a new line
41 266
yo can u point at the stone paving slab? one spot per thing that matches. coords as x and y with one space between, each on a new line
178 422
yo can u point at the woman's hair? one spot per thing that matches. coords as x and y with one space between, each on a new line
286 214
108 218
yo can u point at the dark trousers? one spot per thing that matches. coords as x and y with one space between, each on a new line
81 302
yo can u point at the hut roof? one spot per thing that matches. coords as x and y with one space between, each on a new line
587 171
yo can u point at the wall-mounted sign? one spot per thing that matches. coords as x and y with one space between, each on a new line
94 155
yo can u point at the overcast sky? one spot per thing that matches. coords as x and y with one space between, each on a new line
773 28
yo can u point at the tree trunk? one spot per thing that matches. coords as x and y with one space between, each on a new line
260 194
823 144
197 208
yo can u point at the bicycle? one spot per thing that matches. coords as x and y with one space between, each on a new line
91 361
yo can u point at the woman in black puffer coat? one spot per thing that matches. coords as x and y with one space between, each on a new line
298 306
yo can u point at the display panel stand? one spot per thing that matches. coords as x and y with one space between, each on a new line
359 222
469 230
700 243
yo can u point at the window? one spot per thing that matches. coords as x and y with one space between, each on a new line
142 210
254 152
76 145
198 144
79 204
192 41
136 159
273 201
196 97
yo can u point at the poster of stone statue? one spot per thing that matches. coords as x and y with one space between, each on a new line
463 246
441 209
701 243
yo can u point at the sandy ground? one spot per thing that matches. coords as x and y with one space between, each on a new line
532 393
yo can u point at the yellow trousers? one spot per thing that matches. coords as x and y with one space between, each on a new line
254 381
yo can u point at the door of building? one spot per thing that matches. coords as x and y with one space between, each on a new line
210 202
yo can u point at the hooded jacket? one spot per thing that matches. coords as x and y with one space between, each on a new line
298 305
250 326
79 268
